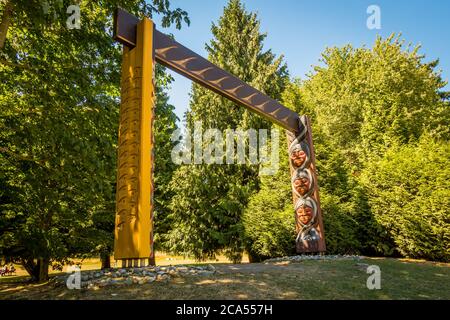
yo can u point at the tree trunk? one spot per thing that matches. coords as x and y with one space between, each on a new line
38 271
42 270
5 22
106 260
30 267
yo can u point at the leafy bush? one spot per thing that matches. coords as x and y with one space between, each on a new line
341 229
269 223
409 195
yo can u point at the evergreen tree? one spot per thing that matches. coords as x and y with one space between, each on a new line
165 123
209 199
268 220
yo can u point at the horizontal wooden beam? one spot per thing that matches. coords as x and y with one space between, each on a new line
125 27
180 59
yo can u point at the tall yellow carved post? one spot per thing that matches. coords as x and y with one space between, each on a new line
134 196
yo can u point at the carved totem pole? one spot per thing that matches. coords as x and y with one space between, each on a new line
142 46
305 191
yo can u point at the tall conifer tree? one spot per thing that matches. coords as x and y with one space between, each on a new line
209 199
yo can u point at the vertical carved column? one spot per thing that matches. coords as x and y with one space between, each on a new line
134 196
305 190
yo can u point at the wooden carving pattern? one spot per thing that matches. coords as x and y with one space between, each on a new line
133 231
152 163
129 142
308 217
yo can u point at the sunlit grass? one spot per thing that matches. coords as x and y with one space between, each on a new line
330 279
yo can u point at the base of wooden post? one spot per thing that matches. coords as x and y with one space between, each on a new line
137 263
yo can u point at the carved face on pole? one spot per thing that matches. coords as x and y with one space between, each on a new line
299 155
298 158
306 211
302 182
305 214
302 185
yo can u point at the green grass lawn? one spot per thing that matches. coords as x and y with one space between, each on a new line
337 279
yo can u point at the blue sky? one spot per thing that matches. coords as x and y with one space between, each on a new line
301 30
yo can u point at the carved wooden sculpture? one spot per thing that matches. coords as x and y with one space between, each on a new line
142 46
308 217
133 243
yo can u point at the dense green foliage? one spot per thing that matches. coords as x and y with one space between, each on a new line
164 125
365 100
58 131
370 109
409 195
268 219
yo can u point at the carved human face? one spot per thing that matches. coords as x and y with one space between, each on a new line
298 158
302 185
304 214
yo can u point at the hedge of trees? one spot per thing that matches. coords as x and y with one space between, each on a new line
381 133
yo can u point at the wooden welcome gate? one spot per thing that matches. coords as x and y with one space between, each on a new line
142 46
